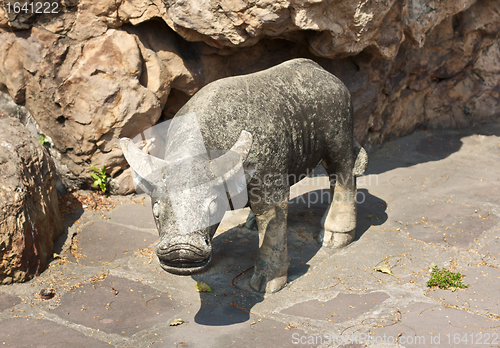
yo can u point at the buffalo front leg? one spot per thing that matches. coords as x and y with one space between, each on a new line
271 266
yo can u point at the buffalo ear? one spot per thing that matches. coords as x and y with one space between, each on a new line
361 160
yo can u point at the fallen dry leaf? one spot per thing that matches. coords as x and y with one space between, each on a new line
177 322
202 287
384 269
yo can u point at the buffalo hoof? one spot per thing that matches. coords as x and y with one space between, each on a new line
265 284
336 240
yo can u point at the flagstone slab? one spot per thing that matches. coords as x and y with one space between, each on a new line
116 305
134 215
431 325
342 308
255 332
8 301
101 242
446 223
41 333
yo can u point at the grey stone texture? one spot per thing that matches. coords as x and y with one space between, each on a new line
333 297
283 121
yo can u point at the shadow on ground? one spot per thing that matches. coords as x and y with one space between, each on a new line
429 146
71 210
235 252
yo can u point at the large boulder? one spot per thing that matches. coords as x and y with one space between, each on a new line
29 213
100 70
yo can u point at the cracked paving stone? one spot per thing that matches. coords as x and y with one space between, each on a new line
341 308
482 194
448 224
41 333
134 215
492 248
116 305
255 332
102 242
431 325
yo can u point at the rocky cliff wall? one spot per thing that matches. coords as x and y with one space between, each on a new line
93 71
30 220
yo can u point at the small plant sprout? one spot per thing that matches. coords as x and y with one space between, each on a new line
100 177
446 279
43 140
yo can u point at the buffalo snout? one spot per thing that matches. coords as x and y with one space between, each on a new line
184 255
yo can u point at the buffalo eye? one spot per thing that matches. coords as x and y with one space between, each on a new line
156 210
212 207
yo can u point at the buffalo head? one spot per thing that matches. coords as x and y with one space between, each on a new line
190 193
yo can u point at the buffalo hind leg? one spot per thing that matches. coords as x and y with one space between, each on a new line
339 221
271 266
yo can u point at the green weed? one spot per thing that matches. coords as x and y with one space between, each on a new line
100 177
43 140
446 279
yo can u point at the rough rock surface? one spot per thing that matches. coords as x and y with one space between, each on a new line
9 107
29 213
99 70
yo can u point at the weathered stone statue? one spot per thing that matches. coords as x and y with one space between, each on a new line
278 124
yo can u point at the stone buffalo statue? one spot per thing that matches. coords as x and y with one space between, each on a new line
279 123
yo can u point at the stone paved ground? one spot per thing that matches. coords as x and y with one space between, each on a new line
432 198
